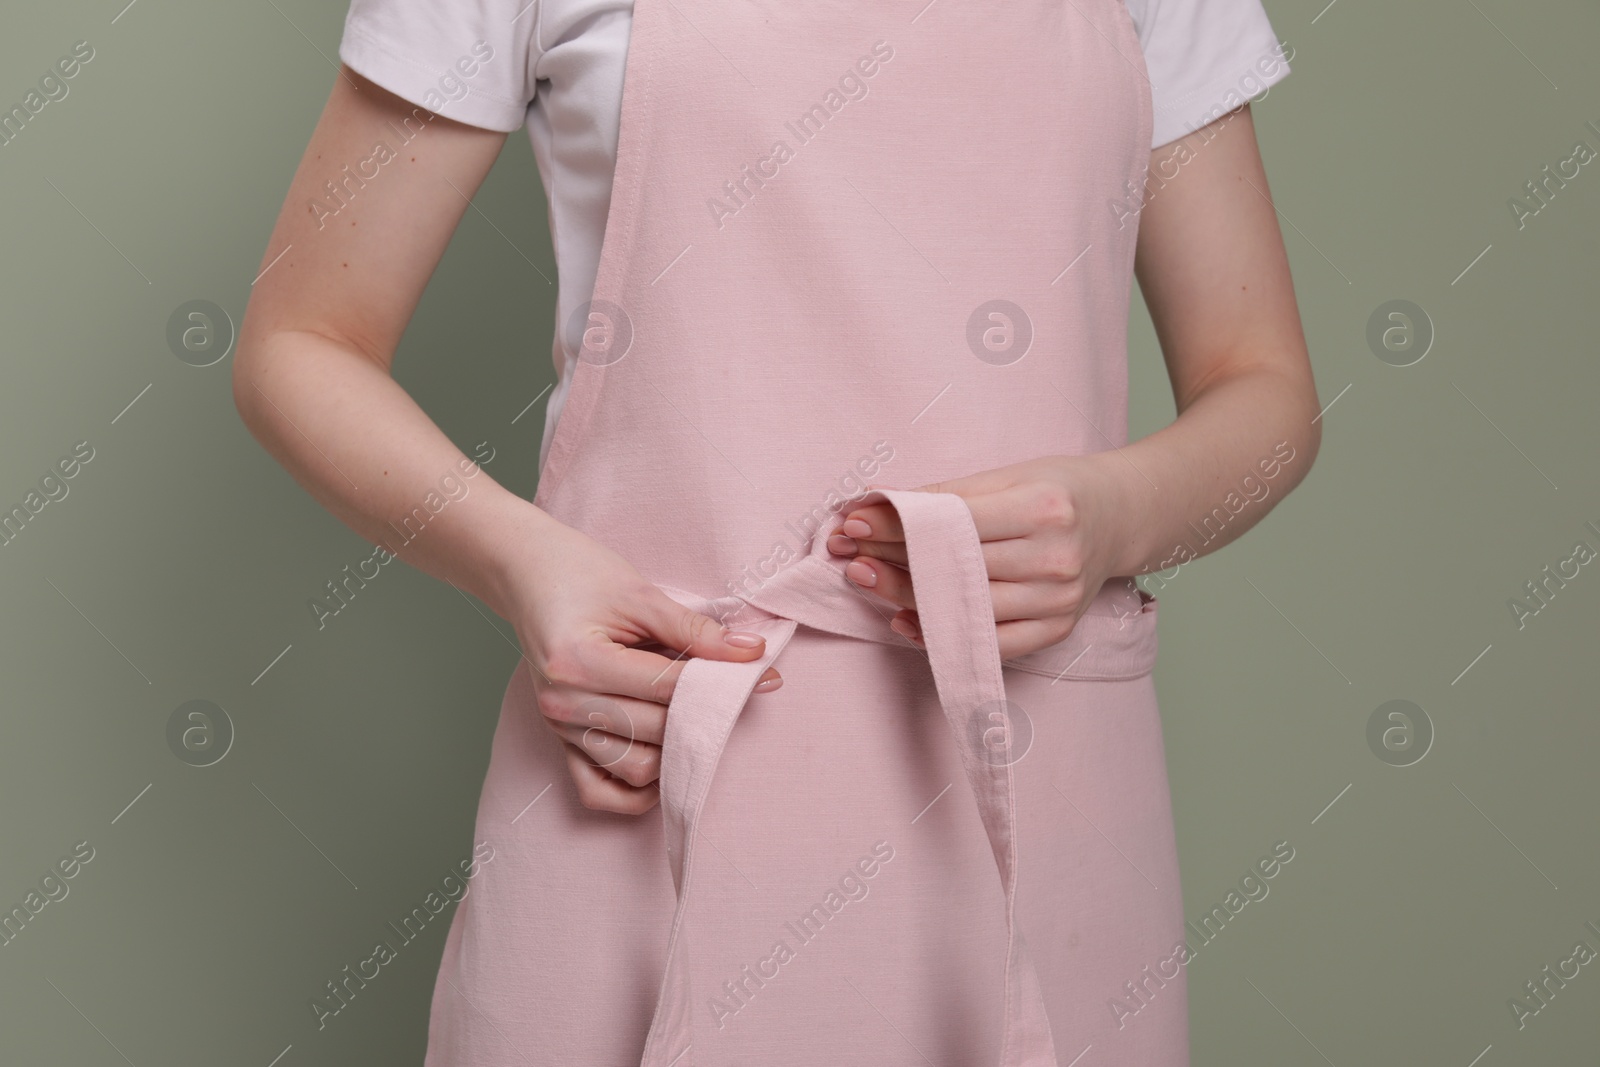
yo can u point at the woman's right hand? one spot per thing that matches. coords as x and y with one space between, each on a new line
587 621
312 379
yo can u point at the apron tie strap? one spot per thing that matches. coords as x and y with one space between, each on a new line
945 558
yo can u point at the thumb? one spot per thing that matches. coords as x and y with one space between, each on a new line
972 485
695 634
935 487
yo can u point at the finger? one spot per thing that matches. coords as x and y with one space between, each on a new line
599 791
1002 514
641 720
1011 600
893 551
603 666
770 679
634 672
1034 600
1011 559
908 625
1029 635
634 762
877 522
699 635
997 511
1015 638
978 484
1021 559
883 579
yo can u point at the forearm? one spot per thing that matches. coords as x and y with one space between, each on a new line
1215 276
354 439
1199 483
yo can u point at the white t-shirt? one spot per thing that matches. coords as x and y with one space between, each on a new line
556 68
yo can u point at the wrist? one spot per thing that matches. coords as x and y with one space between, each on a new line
510 533
1124 502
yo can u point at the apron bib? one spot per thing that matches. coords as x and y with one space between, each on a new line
840 231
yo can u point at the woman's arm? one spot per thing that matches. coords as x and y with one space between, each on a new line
312 382
312 376
1213 270
1215 276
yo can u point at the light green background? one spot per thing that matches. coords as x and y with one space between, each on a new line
180 564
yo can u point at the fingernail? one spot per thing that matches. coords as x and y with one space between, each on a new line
743 639
841 545
855 528
904 628
767 685
861 573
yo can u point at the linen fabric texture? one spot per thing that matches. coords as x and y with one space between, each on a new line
558 71
933 268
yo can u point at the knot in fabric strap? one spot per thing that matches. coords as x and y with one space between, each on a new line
957 617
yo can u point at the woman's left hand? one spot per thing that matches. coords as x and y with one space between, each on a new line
1052 529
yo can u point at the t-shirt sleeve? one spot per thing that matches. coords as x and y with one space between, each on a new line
1205 58
468 60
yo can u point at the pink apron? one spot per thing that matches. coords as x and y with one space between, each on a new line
848 242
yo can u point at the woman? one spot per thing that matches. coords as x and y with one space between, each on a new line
845 245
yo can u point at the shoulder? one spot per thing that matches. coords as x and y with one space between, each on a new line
472 61
1205 58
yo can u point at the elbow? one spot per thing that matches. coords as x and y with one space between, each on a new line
274 369
1313 433
1303 429
1313 416
246 394
258 371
